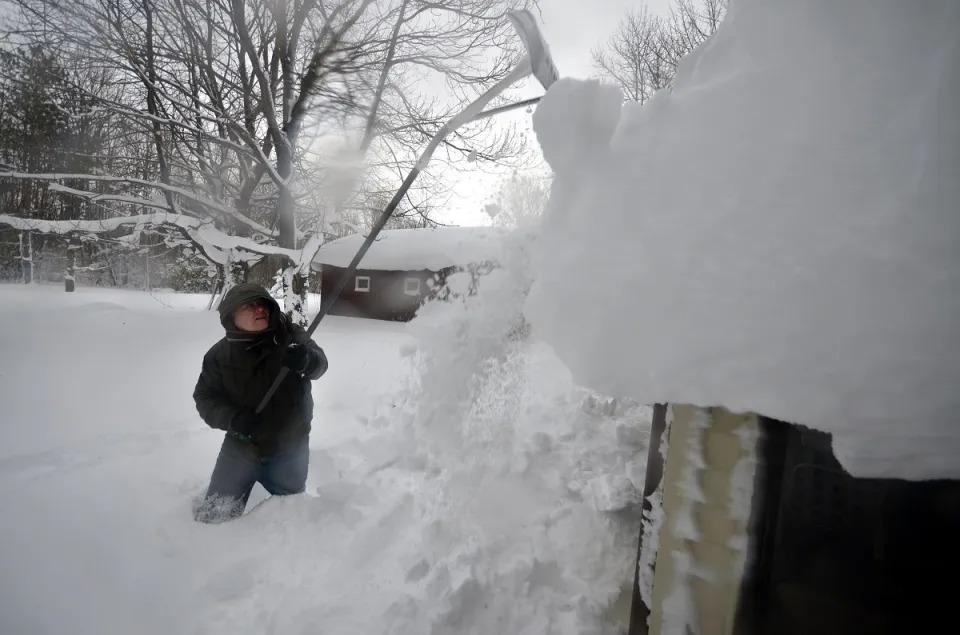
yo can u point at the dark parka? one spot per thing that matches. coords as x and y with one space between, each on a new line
239 369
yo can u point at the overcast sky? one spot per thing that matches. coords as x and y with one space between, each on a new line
572 28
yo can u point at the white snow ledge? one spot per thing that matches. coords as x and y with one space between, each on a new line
779 234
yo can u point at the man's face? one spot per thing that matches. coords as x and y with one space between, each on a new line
252 316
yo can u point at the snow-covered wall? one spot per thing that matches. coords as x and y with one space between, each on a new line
781 233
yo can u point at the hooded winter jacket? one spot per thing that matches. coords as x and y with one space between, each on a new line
238 370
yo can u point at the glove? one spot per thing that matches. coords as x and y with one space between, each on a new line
298 358
245 425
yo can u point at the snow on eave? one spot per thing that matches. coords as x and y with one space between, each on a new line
417 249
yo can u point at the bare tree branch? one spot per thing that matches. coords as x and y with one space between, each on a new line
641 57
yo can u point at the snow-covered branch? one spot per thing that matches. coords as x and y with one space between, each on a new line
172 189
203 234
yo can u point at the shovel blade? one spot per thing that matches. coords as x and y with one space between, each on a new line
540 61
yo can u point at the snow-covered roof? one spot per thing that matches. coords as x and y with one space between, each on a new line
417 249
779 233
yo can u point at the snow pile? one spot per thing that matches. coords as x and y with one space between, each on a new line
417 249
779 234
519 465
455 479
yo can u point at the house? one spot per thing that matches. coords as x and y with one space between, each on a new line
751 526
403 268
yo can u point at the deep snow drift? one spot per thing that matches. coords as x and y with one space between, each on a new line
781 233
459 480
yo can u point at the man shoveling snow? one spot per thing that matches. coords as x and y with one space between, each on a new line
269 447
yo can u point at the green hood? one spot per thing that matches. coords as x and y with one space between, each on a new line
241 294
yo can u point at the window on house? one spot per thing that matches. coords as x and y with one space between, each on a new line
411 286
361 283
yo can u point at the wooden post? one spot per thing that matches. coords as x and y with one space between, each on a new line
26 258
68 281
639 611
73 245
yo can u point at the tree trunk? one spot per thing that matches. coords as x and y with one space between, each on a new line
294 283
236 272
286 206
295 293
153 105
216 288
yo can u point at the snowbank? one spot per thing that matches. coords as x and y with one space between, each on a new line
521 465
459 481
779 234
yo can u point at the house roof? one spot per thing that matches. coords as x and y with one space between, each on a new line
417 249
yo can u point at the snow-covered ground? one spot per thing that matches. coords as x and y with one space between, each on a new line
779 233
458 480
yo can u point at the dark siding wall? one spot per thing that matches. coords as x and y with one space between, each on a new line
385 300
839 555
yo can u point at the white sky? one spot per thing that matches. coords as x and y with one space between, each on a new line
572 28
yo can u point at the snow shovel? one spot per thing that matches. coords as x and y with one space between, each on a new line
536 62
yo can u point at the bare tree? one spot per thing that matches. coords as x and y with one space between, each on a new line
642 55
691 22
231 96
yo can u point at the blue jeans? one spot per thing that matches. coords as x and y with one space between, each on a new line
239 468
